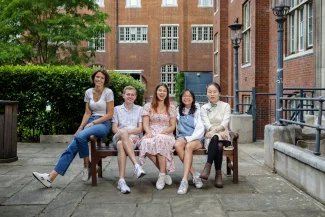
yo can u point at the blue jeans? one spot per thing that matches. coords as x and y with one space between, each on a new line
80 144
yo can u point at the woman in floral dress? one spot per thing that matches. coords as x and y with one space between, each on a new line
159 122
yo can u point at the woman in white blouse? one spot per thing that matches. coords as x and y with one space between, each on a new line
215 116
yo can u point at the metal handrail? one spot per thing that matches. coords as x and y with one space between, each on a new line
317 126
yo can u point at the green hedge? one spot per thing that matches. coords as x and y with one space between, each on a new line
62 87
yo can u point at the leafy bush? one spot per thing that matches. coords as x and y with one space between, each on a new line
61 87
180 84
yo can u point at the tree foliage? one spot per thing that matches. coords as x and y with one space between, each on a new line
49 31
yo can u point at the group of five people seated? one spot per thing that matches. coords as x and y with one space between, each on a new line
157 120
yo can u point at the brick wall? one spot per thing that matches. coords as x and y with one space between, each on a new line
147 56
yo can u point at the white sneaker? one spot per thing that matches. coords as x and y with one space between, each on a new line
197 181
139 172
168 180
123 187
183 187
85 174
43 178
160 184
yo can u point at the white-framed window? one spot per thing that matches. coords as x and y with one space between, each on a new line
300 26
202 33
133 34
216 5
169 3
169 37
98 42
247 101
205 3
168 74
133 4
100 3
216 54
246 34
309 25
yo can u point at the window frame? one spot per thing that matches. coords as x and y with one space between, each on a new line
172 83
172 39
201 38
129 5
100 3
123 29
165 3
246 34
98 42
203 4
299 27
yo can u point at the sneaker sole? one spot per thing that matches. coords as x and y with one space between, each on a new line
141 175
41 181
126 192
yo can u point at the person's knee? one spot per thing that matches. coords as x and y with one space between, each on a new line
119 146
179 145
215 138
189 147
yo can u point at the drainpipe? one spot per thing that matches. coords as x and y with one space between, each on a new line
117 34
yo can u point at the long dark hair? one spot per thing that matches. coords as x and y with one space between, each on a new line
154 103
182 106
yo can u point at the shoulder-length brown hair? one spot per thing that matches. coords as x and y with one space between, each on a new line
104 72
154 103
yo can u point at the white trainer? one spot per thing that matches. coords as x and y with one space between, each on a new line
197 181
183 187
43 178
123 187
139 172
160 184
168 180
85 174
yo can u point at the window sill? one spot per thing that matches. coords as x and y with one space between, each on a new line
246 65
201 42
133 6
299 54
169 6
205 6
168 51
133 42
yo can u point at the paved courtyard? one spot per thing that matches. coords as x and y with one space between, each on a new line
259 192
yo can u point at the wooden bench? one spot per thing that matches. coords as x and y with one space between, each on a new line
99 151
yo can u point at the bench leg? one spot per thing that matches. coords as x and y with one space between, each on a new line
235 165
228 168
100 169
93 172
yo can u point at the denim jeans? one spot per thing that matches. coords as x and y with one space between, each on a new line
80 144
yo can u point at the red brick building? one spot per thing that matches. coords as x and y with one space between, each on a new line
258 49
157 37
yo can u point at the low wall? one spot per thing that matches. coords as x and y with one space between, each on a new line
56 138
302 168
298 165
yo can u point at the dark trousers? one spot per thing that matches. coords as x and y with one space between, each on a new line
215 151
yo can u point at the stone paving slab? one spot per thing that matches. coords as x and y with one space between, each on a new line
259 192
64 204
21 210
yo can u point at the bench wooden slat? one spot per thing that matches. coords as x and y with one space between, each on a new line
98 152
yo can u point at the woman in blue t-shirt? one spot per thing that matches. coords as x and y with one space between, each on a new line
189 133
96 121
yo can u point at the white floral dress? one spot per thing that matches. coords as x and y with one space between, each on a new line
160 143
